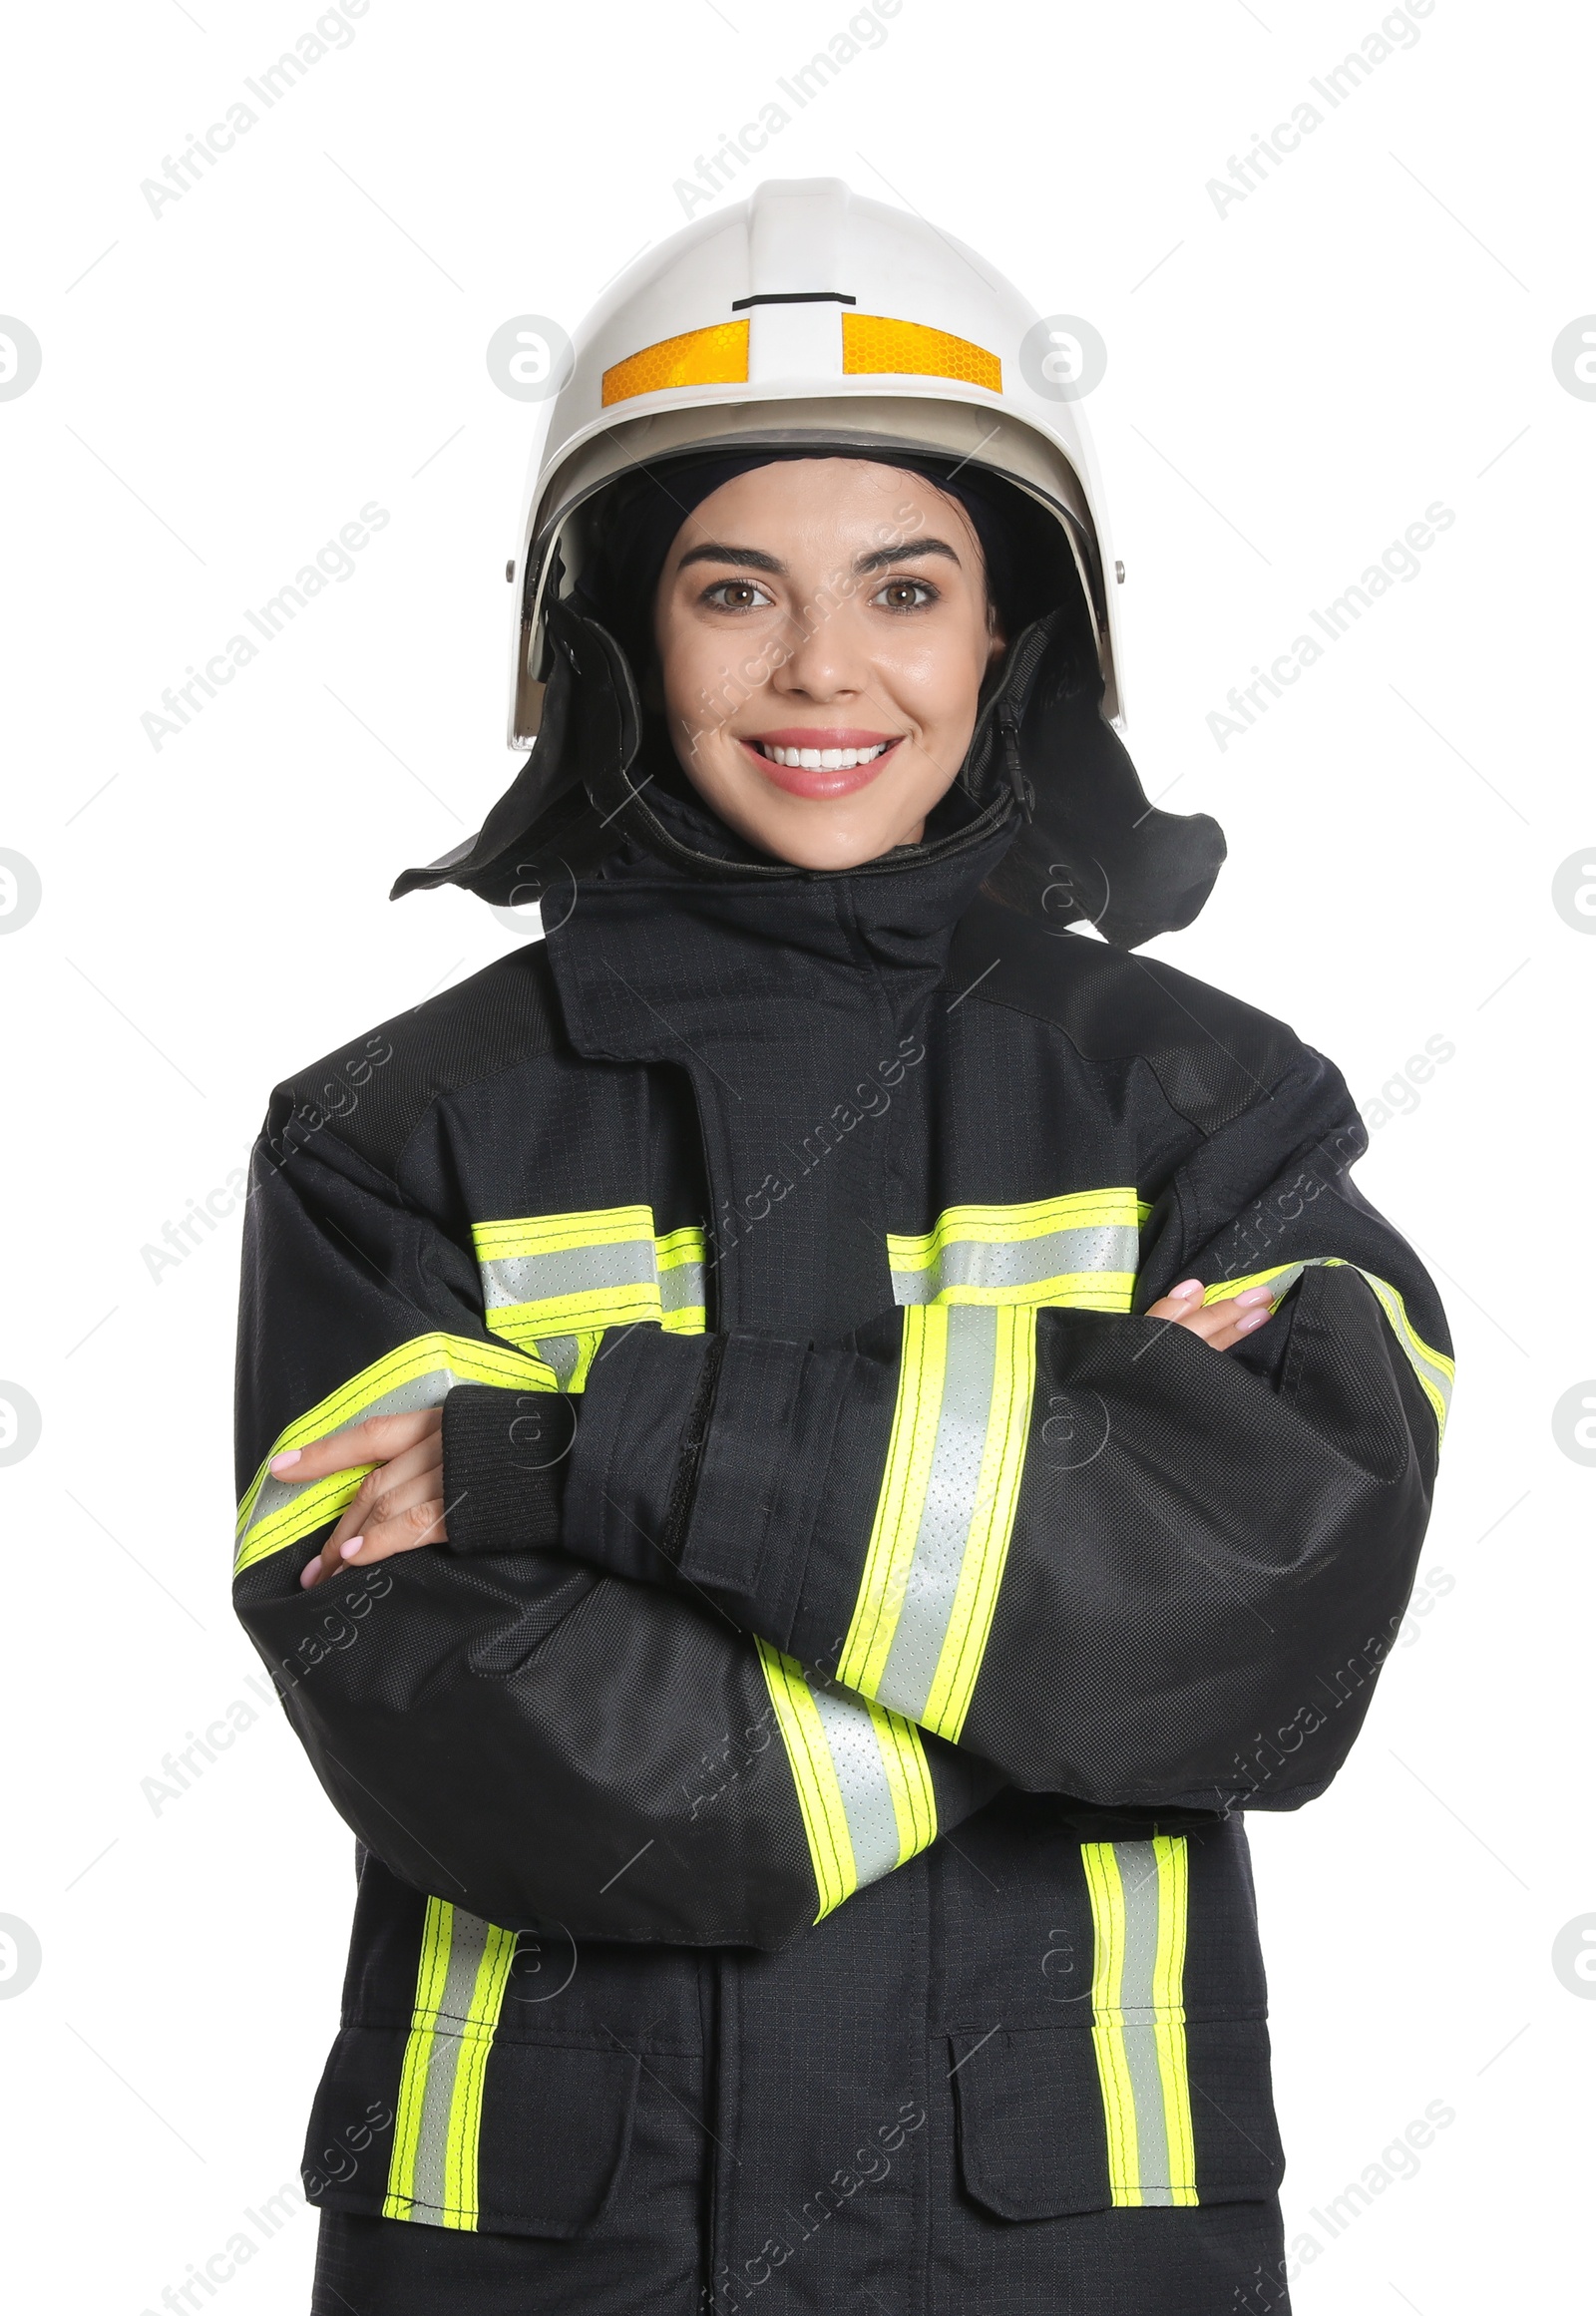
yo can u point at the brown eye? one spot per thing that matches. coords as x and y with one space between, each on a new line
906 595
736 595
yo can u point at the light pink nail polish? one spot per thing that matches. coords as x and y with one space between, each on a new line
1187 1286
1252 1320
349 1547
310 1573
287 1460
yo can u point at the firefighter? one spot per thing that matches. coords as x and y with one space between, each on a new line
811 1443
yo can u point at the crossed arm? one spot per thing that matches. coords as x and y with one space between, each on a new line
400 1504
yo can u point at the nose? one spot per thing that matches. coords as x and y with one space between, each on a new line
820 661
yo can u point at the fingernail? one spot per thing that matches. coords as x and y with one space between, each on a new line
289 1455
310 1573
1257 1295
1187 1288
1252 1320
349 1547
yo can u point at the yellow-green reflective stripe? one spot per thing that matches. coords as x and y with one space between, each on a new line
861 1776
557 1234
1437 1373
1169 2021
908 1774
555 1281
1078 1250
946 1512
430 1973
891 1548
419 1374
1138 1893
461 1977
460 2206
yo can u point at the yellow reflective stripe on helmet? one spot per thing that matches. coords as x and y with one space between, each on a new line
1437 1373
716 356
945 1511
278 1512
461 1977
557 1281
875 342
1079 1252
1138 1893
861 1775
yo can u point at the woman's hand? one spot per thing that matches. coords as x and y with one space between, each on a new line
1217 1324
398 1505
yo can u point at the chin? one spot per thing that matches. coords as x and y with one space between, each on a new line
823 849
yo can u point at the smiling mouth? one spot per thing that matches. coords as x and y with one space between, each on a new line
820 760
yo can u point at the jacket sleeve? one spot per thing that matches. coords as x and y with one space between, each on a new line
529 1738
1115 1563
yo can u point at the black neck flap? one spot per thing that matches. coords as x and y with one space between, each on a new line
1087 843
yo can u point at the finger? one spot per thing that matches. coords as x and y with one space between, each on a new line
386 1486
1223 1318
1217 1324
1178 1302
1243 1316
376 1440
405 1531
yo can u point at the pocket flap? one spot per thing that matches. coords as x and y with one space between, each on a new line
469 2131
1056 2120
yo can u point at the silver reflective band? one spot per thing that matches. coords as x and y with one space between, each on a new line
682 1286
1015 1262
430 2194
932 1585
576 1271
1139 2011
861 1778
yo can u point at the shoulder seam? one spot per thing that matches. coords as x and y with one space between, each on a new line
1135 1053
384 1156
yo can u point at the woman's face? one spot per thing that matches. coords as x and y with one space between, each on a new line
823 630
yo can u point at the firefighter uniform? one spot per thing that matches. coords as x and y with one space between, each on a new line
800 1812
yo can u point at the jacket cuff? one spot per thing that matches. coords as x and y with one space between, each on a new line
505 1460
644 1415
746 1467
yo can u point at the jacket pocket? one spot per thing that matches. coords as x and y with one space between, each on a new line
450 2127
1123 2113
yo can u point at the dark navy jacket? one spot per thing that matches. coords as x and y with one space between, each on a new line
801 1860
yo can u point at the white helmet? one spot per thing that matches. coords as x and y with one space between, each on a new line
805 314
808 320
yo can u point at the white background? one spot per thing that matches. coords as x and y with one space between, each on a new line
1289 386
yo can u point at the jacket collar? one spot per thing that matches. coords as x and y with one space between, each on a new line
654 962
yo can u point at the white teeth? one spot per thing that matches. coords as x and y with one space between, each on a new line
822 759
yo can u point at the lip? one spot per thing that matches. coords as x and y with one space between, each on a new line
823 736
820 781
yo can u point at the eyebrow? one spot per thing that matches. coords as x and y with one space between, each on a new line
755 557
